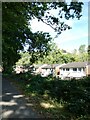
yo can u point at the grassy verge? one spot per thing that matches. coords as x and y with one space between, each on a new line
54 98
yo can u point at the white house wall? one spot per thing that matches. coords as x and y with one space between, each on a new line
71 73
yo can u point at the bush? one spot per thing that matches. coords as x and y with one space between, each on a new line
75 94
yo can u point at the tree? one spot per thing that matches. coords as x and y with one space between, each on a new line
13 37
88 50
24 60
57 56
82 49
39 45
83 55
16 33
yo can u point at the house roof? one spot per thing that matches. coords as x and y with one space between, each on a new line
55 65
47 67
37 66
75 65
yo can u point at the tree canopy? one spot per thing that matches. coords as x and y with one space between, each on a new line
55 56
16 17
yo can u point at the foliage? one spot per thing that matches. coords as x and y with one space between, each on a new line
88 50
54 56
58 56
73 95
82 49
25 59
39 46
16 33
83 55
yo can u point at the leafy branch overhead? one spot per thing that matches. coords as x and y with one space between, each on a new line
16 18
64 10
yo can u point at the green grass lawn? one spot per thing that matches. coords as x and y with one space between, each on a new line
55 98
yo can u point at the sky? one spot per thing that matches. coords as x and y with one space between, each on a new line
69 39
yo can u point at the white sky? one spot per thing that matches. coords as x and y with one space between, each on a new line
69 39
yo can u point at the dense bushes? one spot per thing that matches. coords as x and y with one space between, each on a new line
74 94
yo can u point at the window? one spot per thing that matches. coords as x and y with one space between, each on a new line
79 69
67 69
74 69
63 69
83 69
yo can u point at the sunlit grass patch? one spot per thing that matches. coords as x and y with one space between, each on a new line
47 105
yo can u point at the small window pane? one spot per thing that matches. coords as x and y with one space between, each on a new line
79 69
74 69
63 69
67 69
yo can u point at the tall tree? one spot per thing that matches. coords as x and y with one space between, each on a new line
15 30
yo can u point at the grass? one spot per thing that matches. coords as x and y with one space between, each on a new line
54 98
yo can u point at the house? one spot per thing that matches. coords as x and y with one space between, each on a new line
56 69
51 69
46 70
69 70
19 69
38 68
74 70
22 68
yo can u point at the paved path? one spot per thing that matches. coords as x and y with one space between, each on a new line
14 104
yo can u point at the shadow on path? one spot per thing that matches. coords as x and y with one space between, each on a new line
14 104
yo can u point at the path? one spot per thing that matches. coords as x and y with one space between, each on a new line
14 104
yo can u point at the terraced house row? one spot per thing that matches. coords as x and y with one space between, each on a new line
69 70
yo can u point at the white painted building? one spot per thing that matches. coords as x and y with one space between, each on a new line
73 70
